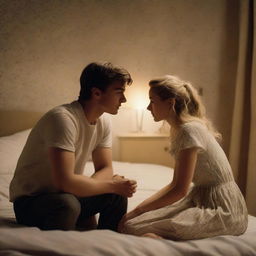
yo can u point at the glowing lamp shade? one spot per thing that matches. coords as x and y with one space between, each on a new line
140 102
139 120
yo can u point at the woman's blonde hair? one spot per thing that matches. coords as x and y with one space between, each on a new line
188 105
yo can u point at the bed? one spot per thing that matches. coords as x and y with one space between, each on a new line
17 240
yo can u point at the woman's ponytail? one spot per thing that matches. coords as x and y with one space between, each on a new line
194 104
188 105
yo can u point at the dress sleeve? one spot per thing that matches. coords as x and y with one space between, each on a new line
189 136
60 132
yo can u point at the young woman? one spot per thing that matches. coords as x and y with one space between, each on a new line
203 199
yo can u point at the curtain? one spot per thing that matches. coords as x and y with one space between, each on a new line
242 153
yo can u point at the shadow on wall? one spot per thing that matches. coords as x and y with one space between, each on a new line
14 120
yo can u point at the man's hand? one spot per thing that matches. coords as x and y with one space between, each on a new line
123 186
117 177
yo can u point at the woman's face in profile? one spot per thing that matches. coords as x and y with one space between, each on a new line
159 108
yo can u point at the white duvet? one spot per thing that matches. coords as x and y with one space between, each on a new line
18 240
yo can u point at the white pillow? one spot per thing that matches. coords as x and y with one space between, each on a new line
10 150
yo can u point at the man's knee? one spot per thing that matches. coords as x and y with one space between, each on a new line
69 204
48 211
122 201
118 202
64 214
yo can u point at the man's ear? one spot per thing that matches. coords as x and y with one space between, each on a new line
96 92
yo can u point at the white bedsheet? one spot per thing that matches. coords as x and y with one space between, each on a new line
17 240
32 241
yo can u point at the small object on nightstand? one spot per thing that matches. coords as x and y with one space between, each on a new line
139 119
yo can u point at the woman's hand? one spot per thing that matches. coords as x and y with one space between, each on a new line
128 216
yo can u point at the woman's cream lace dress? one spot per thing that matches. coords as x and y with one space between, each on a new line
214 206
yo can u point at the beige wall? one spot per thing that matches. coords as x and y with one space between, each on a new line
46 43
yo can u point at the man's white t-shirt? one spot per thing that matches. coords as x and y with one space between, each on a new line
64 127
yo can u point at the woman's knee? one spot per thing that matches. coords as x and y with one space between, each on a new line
129 228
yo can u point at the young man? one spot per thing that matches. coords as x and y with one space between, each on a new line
48 189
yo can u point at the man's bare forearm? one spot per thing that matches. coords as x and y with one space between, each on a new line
83 186
103 174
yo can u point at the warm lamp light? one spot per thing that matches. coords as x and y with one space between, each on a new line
138 101
140 108
139 119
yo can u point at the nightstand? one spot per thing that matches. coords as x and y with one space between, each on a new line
145 148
